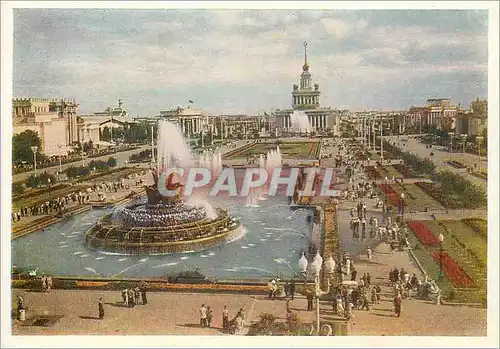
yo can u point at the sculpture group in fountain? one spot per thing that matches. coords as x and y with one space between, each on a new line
172 183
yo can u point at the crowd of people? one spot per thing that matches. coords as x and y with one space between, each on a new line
134 296
233 326
58 204
53 206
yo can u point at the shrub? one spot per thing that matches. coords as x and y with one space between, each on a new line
112 162
18 188
41 179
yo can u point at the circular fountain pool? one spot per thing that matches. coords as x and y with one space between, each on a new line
273 237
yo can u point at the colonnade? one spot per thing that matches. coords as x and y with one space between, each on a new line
298 100
190 126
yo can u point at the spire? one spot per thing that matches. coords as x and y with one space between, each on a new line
305 67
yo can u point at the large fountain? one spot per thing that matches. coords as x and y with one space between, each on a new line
300 122
164 224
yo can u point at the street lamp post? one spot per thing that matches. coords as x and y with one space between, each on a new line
441 239
479 140
381 140
368 132
48 180
152 145
373 127
315 269
60 158
34 149
402 207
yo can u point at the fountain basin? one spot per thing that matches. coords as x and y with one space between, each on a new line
190 236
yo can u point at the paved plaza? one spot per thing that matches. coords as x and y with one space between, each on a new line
177 313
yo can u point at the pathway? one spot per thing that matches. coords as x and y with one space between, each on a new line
121 157
418 317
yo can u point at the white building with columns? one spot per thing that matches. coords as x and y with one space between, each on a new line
306 98
191 121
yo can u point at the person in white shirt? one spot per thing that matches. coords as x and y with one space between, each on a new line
203 316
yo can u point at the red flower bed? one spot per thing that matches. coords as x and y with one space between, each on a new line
452 270
393 196
423 234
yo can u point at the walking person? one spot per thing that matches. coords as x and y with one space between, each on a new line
363 229
44 283
209 316
369 253
397 305
143 293
310 298
354 273
101 309
348 311
203 316
49 283
131 298
20 303
225 319
286 288
239 324
125 296
373 295
137 294
292 289
340 306
364 302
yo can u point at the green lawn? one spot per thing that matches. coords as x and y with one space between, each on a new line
416 199
467 239
389 171
290 150
428 263
472 240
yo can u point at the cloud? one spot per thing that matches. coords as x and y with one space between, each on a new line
245 60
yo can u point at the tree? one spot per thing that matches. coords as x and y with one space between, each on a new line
480 108
21 146
88 147
42 179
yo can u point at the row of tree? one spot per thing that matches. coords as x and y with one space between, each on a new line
451 183
92 167
135 133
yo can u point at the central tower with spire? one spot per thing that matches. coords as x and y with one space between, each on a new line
305 97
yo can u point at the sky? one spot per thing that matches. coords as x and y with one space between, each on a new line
246 61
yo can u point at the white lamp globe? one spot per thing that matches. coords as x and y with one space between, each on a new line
329 265
303 263
316 264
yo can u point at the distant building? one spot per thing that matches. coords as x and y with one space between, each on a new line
470 123
191 121
437 111
91 126
306 98
54 120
